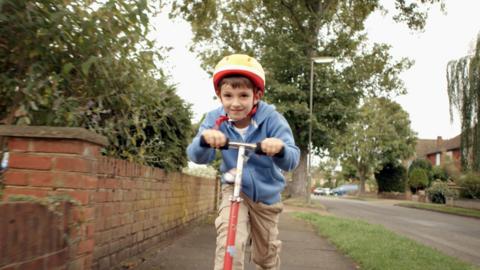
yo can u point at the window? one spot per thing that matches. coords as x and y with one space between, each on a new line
437 159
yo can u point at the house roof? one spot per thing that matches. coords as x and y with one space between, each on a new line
429 146
453 143
425 147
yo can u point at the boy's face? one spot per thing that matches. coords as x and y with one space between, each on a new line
237 102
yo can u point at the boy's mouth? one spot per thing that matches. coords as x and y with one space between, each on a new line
236 111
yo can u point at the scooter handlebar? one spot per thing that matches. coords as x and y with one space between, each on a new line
257 148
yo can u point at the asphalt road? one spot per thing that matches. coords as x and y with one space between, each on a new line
453 235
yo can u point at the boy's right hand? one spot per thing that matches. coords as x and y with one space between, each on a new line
214 138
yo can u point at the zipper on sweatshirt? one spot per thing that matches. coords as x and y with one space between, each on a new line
245 168
252 181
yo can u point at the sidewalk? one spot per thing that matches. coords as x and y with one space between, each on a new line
302 249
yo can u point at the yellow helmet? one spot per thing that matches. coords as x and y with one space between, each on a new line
239 64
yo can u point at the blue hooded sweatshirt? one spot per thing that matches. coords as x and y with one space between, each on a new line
262 179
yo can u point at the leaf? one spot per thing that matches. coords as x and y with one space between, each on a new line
67 68
33 105
86 65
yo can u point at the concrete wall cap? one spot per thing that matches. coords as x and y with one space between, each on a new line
53 132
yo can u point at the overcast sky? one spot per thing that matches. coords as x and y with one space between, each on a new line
446 37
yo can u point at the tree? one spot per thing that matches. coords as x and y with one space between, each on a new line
328 168
422 164
463 77
381 135
418 179
89 64
284 35
391 178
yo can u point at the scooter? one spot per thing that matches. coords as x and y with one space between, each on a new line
235 198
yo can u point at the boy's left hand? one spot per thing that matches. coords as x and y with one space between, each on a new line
271 146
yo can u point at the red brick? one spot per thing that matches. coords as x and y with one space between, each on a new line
128 184
101 196
16 178
91 150
111 183
101 182
107 210
32 265
82 197
9 191
11 267
89 213
58 146
41 179
90 182
18 144
23 161
90 230
76 264
73 164
69 180
57 259
86 246
88 262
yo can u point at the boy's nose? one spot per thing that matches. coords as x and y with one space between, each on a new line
236 102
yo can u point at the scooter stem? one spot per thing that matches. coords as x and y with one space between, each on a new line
234 207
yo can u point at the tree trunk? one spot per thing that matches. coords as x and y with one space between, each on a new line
297 187
363 176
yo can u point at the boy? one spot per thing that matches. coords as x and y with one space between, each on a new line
239 82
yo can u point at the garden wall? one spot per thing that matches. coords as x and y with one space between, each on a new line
120 209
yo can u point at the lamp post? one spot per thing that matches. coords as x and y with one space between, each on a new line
313 60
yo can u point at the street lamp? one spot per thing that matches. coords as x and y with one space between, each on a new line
313 60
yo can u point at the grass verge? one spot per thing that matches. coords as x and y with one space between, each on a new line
373 247
444 209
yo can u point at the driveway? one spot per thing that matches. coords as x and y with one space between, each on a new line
453 235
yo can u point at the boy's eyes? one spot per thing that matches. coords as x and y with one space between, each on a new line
241 95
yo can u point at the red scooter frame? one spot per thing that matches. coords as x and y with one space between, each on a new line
235 198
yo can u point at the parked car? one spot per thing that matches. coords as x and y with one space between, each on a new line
344 189
322 191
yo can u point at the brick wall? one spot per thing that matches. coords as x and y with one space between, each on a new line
121 210
137 207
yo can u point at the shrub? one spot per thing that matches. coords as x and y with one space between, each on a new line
422 164
439 173
91 64
391 178
439 192
470 184
451 169
418 179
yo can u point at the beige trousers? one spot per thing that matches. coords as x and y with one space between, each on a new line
257 221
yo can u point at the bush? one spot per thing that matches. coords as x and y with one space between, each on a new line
451 169
422 164
439 173
439 192
470 184
391 178
418 179
90 64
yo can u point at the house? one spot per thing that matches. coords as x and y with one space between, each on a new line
439 151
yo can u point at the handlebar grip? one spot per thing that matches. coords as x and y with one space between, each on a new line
204 143
259 151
